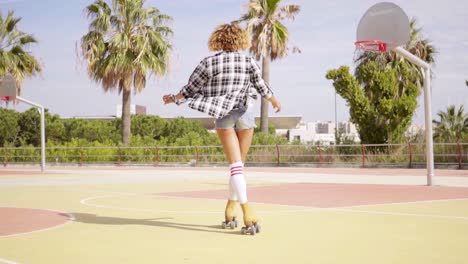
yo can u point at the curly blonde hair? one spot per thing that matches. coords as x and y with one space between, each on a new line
229 37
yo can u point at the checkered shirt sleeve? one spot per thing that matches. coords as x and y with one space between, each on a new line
258 82
196 81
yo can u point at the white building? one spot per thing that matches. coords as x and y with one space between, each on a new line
323 132
134 110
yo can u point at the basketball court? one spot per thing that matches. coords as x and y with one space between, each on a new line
174 215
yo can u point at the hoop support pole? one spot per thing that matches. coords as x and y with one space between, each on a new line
427 110
42 112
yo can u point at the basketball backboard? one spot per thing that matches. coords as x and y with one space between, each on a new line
8 88
383 27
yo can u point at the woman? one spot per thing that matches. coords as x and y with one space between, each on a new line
222 86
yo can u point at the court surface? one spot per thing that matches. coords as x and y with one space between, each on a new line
173 215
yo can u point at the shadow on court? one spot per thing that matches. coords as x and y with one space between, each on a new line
154 222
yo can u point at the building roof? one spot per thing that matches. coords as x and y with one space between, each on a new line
280 122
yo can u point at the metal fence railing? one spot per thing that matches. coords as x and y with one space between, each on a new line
399 155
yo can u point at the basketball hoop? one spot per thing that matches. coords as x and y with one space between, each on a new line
376 46
371 45
5 98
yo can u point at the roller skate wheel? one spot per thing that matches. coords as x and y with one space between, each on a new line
253 230
258 227
243 230
233 224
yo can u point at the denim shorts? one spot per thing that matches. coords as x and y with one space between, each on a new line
238 119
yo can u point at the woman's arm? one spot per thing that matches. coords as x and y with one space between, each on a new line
196 82
262 88
275 103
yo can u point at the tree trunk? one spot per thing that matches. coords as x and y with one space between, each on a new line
126 94
264 104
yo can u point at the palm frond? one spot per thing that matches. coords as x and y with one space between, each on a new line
270 7
14 57
289 12
125 43
279 39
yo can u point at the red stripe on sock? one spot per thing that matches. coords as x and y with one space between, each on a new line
236 173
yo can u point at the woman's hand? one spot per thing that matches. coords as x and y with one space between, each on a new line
168 98
275 103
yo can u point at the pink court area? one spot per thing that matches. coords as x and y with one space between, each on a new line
24 220
324 195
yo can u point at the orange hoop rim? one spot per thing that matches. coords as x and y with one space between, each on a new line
5 98
372 45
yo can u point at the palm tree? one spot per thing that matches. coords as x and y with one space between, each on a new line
452 124
125 43
269 38
14 59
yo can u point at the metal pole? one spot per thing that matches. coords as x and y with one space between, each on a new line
429 143
43 155
336 123
42 111
427 110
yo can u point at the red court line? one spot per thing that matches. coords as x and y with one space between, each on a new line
325 195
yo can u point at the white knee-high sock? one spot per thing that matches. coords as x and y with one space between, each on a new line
232 190
238 181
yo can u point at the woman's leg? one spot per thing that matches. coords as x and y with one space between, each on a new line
232 152
245 140
230 142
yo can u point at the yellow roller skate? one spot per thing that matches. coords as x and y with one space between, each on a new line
230 215
250 220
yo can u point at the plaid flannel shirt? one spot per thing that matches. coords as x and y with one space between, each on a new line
224 82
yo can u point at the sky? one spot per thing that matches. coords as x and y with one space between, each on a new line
325 32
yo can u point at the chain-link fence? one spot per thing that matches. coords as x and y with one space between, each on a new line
453 155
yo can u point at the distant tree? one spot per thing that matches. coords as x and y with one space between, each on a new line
55 129
125 43
452 125
146 125
269 38
91 130
14 57
9 128
30 124
378 116
271 129
179 127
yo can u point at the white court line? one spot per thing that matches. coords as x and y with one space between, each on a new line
404 214
70 216
304 208
402 203
6 261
